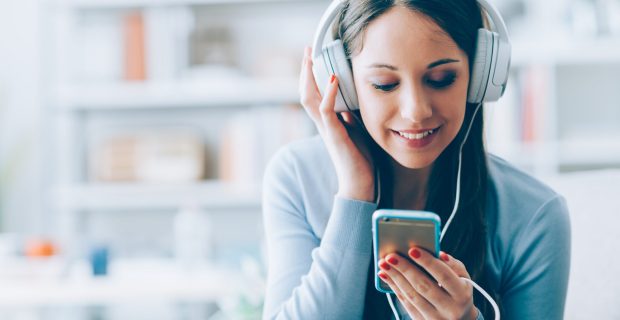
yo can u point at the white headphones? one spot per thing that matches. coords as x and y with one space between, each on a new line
489 69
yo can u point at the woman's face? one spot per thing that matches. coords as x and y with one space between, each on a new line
411 80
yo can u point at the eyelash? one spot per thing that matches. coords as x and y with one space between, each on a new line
444 83
386 88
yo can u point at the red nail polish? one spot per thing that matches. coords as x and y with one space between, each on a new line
382 276
392 260
333 77
444 257
384 265
414 253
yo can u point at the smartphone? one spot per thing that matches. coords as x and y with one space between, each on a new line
399 230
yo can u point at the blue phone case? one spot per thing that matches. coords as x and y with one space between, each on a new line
414 215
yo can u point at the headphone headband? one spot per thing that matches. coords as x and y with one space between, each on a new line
326 21
488 77
497 23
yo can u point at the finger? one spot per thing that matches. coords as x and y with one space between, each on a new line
401 273
309 94
303 59
455 264
302 75
332 125
440 271
313 85
413 312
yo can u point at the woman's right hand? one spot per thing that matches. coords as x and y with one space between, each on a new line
345 144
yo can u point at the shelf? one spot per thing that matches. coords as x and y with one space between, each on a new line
149 280
566 51
149 95
571 151
594 151
207 195
120 4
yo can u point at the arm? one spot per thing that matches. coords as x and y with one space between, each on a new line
310 278
537 278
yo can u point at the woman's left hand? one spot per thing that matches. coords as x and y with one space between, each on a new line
445 297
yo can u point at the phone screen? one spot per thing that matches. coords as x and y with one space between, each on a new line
400 234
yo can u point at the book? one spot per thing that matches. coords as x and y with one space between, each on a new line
134 49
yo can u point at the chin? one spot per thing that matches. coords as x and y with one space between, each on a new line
414 161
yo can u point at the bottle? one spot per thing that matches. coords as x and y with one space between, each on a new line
192 237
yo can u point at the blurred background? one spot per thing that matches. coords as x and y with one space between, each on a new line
134 135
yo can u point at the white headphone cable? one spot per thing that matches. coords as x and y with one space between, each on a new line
445 227
457 199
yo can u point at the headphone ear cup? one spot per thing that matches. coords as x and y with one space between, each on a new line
336 57
481 67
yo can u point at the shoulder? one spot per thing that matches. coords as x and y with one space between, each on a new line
518 194
527 219
529 232
300 178
300 159
507 178
520 199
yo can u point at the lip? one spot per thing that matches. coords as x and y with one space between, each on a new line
417 144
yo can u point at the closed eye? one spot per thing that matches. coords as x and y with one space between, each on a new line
436 84
442 83
385 87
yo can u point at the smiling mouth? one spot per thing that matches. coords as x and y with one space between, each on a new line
418 136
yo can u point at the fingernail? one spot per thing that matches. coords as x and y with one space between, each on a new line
384 265
382 275
392 260
333 77
414 253
444 257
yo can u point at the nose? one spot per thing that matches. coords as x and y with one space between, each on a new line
414 105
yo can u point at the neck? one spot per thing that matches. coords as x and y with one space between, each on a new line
410 186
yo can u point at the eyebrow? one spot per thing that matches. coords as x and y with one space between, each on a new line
440 62
430 65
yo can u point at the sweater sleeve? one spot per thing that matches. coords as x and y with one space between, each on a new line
309 278
537 276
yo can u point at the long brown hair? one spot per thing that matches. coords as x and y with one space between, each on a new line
466 239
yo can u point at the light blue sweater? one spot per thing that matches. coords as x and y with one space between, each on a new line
319 246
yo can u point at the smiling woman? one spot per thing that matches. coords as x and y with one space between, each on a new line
417 69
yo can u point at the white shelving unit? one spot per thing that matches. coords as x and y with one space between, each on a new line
577 74
209 195
150 281
565 51
178 94
74 102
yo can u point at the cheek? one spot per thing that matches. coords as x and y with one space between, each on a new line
375 111
369 104
373 119
451 105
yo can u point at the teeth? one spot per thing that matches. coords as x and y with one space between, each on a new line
416 136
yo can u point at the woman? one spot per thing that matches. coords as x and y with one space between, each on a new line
411 63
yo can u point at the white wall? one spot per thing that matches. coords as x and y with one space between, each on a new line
21 127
